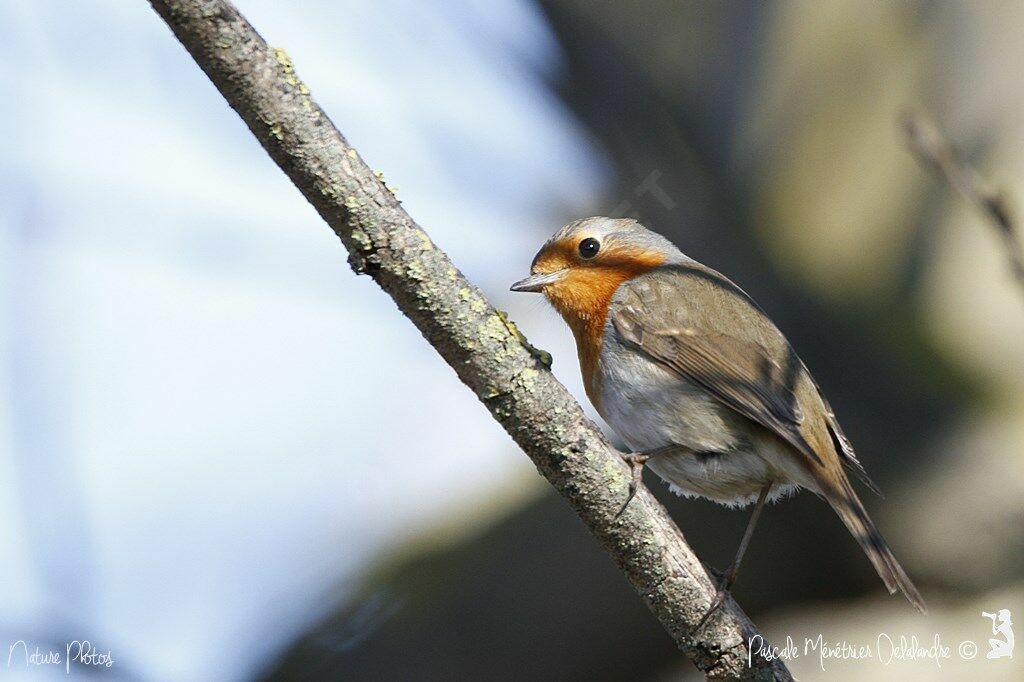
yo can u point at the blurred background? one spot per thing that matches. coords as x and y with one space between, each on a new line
225 456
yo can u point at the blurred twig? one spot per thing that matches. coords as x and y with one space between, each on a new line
479 343
932 148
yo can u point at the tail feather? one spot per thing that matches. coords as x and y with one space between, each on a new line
850 509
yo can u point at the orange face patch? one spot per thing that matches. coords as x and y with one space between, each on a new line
583 294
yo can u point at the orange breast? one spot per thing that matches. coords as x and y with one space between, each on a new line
583 296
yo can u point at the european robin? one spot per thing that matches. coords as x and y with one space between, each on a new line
698 382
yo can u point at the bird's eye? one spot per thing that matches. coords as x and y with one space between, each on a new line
589 247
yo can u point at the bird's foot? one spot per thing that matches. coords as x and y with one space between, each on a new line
636 461
723 591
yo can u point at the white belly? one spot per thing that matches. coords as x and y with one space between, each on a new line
718 453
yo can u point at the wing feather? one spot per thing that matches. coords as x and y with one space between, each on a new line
737 372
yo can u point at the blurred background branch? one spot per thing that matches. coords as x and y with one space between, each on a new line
934 151
484 348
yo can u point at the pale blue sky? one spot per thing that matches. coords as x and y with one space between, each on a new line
192 383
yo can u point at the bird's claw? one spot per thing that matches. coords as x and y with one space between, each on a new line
720 594
719 599
636 466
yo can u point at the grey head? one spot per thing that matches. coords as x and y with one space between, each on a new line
595 240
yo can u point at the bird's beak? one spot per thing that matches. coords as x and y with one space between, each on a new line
537 282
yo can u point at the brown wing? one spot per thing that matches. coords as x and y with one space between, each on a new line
738 372
709 332
844 447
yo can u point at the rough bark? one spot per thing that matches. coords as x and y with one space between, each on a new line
480 343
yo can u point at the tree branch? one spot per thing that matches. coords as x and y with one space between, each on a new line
932 149
480 343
